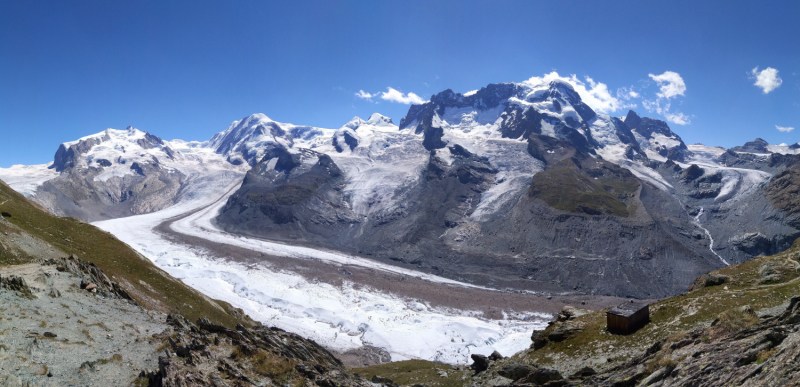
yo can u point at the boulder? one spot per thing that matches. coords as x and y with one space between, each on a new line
479 363
495 356
515 370
15 283
709 279
583 373
564 330
383 381
569 312
541 376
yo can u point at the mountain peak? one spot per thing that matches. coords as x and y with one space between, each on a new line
560 84
378 119
632 119
354 123
759 145
256 117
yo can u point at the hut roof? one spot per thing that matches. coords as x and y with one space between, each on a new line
629 308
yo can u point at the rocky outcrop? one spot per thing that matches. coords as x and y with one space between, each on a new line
92 275
16 284
751 243
563 328
205 354
783 190
652 134
762 355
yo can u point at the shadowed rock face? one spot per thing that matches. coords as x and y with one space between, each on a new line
756 146
284 198
649 128
784 190
530 243
78 194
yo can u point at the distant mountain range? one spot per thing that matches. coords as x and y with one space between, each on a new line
517 185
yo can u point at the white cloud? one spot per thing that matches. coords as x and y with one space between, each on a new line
393 95
596 95
671 84
364 95
785 129
766 79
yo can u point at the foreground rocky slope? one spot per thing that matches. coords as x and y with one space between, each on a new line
67 322
29 233
54 333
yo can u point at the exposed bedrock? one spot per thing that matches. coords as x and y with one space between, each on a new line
81 194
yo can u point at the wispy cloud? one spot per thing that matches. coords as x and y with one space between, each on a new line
767 79
364 95
627 93
594 94
785 129
671 85
392 95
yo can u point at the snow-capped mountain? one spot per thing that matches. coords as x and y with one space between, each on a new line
116 173
516 184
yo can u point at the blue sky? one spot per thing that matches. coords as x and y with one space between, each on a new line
187 69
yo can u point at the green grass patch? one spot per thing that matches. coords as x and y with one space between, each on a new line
596 191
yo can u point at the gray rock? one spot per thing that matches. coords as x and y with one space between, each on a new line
538 340
583 373
479 363
515 370
753 243
541 376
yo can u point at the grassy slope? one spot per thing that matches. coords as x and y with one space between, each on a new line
149 285
565 186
